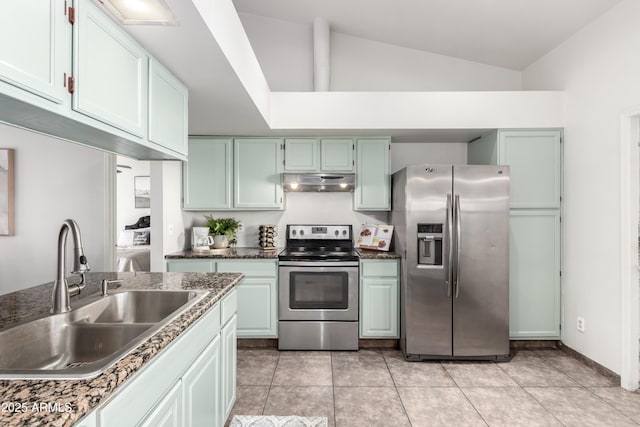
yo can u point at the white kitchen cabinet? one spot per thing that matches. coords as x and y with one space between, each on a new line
202 386
337 154
207 178
168 413
301 155
34 47
379 299
168 109
110 71
229 366
373 180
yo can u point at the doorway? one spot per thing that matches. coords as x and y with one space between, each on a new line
629 239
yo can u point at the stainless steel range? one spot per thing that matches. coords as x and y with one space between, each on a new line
318 289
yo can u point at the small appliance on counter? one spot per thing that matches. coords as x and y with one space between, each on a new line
267 234
200 239
318 289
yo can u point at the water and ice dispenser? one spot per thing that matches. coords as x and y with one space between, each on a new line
430 244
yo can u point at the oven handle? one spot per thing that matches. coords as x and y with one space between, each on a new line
318 263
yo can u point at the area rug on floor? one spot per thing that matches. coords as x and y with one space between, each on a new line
273 421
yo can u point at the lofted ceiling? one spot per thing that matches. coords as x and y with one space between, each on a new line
503 33
510 33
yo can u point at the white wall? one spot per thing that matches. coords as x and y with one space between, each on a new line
359 64
127 213
54 180
599 70
435 153
284 51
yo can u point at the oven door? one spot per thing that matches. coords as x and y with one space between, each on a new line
318 291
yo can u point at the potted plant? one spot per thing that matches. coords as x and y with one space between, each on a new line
223 230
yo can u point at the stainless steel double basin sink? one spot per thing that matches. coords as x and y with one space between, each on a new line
85 341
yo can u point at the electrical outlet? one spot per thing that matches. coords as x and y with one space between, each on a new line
580 324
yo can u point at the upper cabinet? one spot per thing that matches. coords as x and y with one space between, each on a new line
77 75
207 177
535 160
110 71
337 154
319 155
39 66
168 109
257 169
373 181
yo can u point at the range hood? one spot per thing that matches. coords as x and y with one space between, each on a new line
342 182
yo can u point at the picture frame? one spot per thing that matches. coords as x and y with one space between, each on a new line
142 191
7 192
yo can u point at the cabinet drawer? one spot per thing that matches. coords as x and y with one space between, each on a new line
229 306
248 268
379 268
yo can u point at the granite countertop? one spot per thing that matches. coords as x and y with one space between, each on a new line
240 253
371 254
84 395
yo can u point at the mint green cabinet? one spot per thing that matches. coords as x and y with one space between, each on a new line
257 297
34 47
207 175
89 420
379 299
535 160
168 413
337 154
257 169
229 365
301 155
202 388
110 71
191 266
534 274
168 109
373 180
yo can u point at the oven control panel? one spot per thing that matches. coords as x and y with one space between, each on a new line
319 232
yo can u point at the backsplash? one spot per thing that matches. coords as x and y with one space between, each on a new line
300 208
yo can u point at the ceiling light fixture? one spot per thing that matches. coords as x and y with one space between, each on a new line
140 12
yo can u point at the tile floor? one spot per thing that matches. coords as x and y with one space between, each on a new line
378 388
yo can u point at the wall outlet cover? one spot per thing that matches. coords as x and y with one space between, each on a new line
580 324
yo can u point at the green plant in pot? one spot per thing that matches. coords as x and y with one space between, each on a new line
223 230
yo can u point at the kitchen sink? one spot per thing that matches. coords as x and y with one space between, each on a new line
86 340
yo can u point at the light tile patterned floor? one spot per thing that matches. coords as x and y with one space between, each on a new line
379 388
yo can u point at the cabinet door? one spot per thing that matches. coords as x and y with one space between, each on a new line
256 172
168 109
379 308
534 274
229 364
257 308
168 413
89 420
337 154
373 182
191 266
110 71
34 46
202 390
206 176
301 154
534 158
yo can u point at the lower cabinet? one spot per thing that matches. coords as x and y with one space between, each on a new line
534 274
190 383
379 299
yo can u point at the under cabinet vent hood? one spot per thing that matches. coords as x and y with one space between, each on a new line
343 182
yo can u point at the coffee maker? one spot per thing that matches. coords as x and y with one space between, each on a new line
200 239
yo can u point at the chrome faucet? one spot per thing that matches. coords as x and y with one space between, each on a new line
61 289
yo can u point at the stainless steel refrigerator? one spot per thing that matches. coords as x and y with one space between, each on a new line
452 232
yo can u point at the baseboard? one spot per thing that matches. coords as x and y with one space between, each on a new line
534 344
590 363
378 343
247 343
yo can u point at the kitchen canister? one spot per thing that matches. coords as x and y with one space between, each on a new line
267 234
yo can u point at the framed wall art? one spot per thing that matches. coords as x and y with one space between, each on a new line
142 191
6 192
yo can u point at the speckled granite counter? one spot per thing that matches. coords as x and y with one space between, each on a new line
241 253
370 254
84 395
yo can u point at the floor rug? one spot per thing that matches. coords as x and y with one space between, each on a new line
273 421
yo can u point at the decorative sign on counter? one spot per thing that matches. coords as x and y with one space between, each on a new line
375 236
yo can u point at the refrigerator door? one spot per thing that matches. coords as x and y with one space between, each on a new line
481 272
427 293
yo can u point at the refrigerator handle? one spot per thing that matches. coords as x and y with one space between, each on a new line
450 243
457 217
